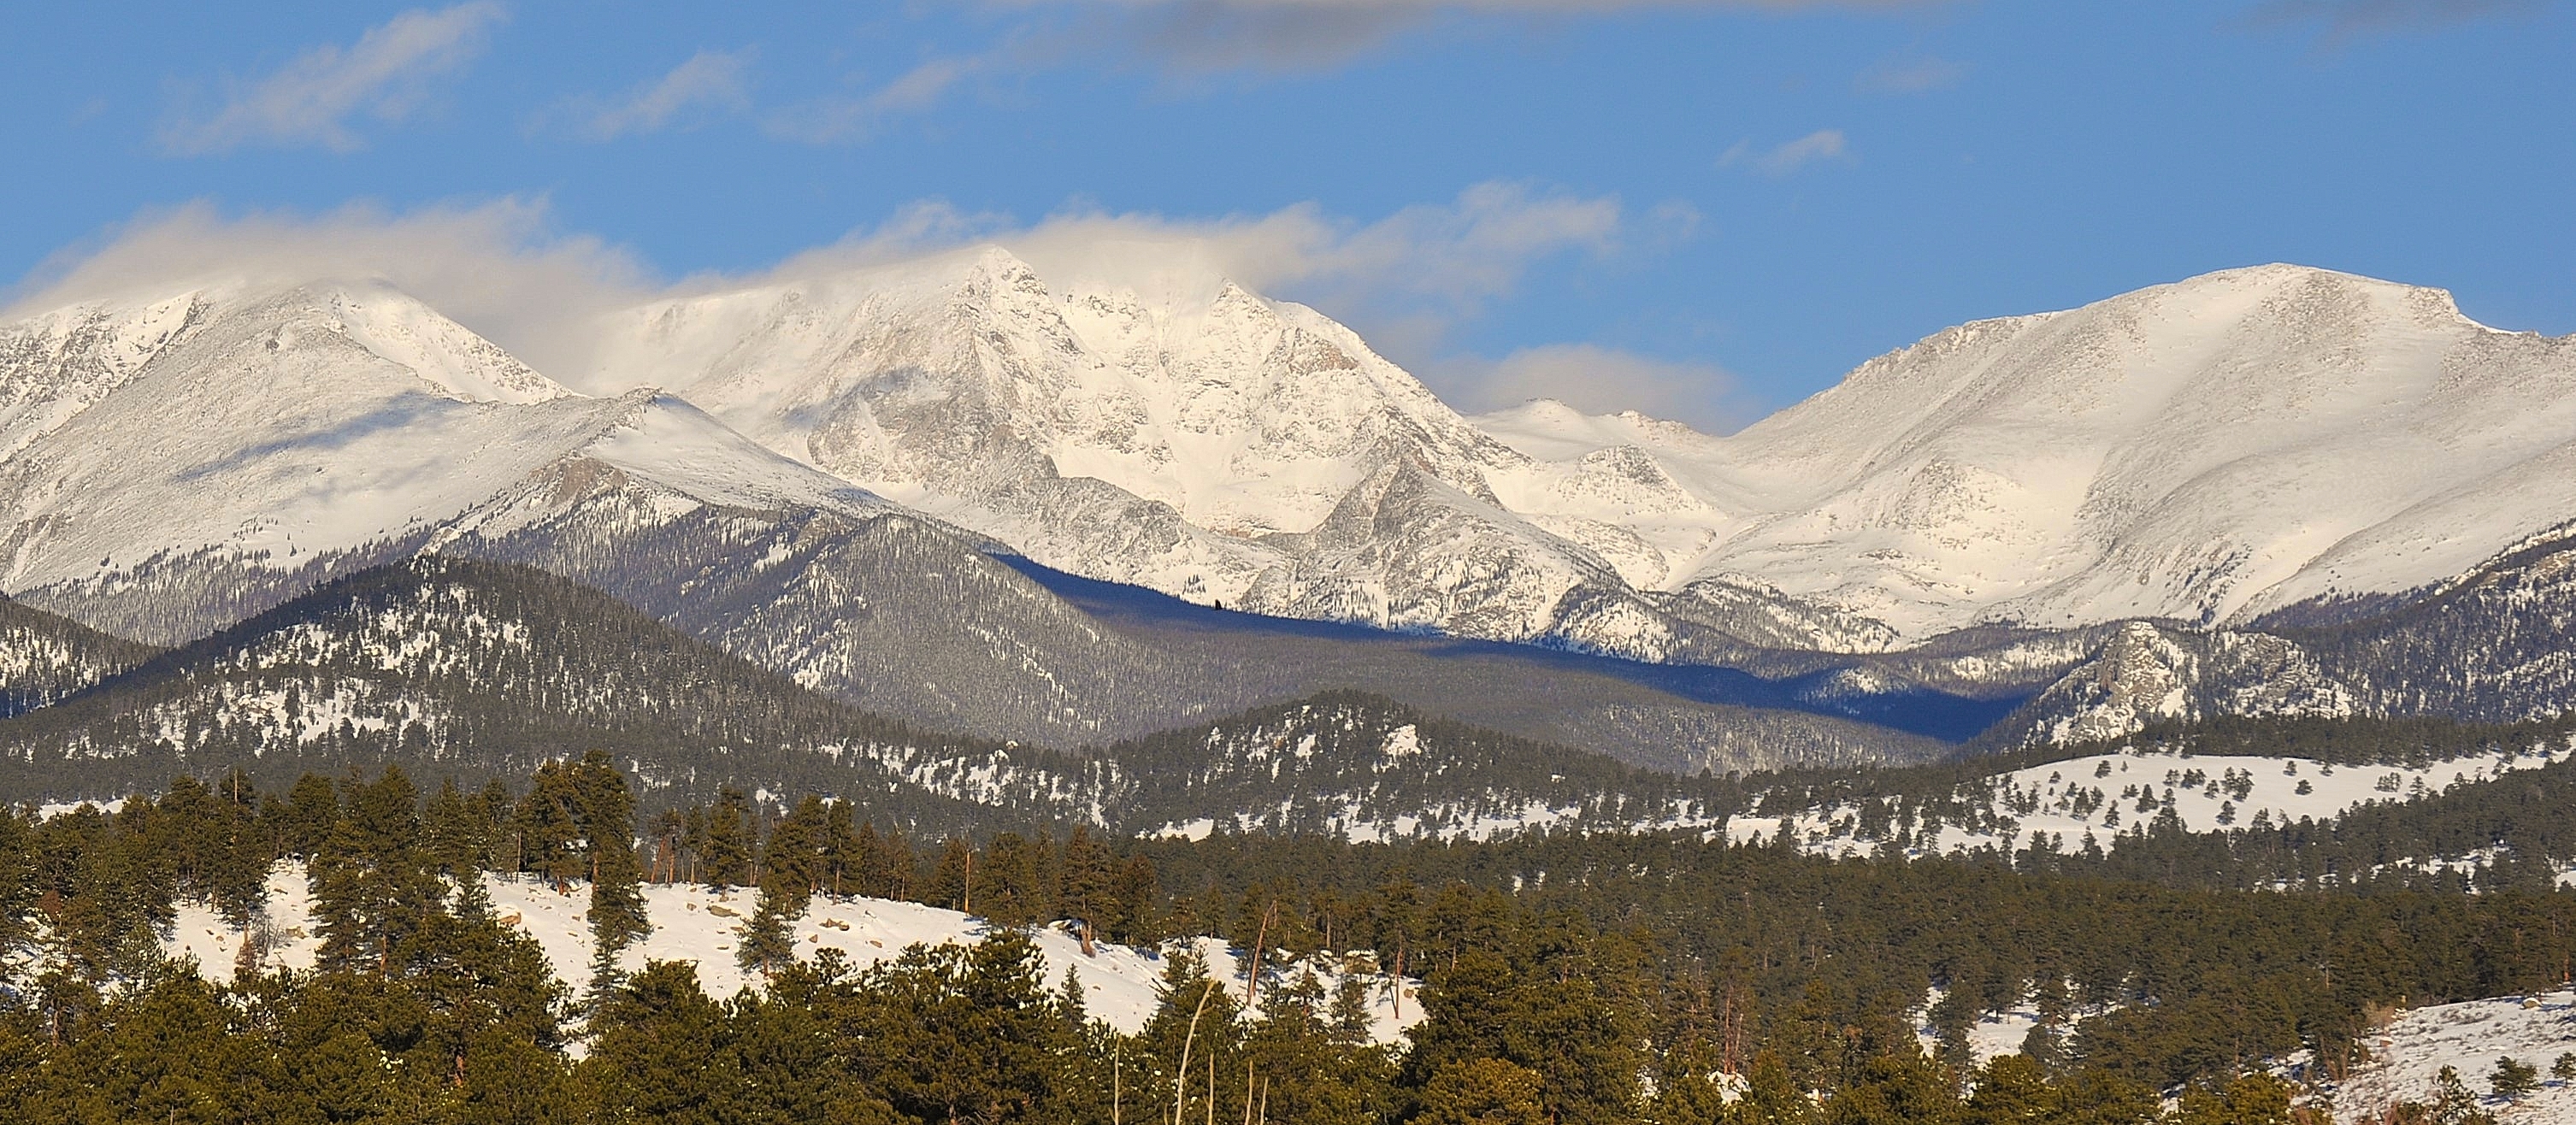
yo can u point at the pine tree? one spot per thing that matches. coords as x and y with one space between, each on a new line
372 884
951 882
605 813
790 864
658 1053
1087 892
725 860
1482 1092
548 825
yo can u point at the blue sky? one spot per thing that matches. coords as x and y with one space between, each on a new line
1706 209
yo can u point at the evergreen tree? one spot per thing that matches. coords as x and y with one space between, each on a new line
1483 1092
606 816
372 883
659 1051
725 858
791 862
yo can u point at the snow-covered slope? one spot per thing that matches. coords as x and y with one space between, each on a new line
2410 1052
2205 451
177 463
1217 446
702 926
2104 798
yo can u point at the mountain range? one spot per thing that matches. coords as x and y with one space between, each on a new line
968 499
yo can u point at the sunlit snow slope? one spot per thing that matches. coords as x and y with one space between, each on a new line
2204 451
701 926
176 462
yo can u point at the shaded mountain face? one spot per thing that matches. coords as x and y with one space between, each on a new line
2179 502
453 667
333 428
45 659
2491 647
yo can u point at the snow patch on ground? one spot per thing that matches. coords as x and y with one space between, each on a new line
2469 1037
693 923
2104 796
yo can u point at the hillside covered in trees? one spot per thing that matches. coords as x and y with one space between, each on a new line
1665 977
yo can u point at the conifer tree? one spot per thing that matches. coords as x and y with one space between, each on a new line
457 837
1087 892
1483 1092
372 884
304 820
790 864
548 823
606 816
725 859
951 882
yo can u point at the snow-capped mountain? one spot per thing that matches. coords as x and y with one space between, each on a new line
1217 446
184 461
2206 452
178 463
2260 492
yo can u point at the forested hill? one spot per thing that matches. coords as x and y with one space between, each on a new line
456 667
45 658
1574 979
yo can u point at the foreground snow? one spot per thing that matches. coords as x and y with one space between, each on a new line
2412 1050
695 924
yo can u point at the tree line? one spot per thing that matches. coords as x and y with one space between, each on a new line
1568 978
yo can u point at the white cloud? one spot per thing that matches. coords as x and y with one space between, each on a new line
708 80
1823 144
1404 280
310 100
494 267
837 119
1434 262
1595 380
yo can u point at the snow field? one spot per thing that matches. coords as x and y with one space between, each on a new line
2469 1037
695 924
2210 793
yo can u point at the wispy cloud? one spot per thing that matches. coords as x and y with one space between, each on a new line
2346 18
386 74
1920 74
497 267
1436 259
1780 160
854 118
1407 279
1287 35
708 81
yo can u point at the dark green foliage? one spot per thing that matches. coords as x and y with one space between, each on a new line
1569 978
373 883
2513 1078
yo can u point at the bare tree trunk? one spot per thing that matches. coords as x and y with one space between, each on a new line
1260 937
1181 1074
